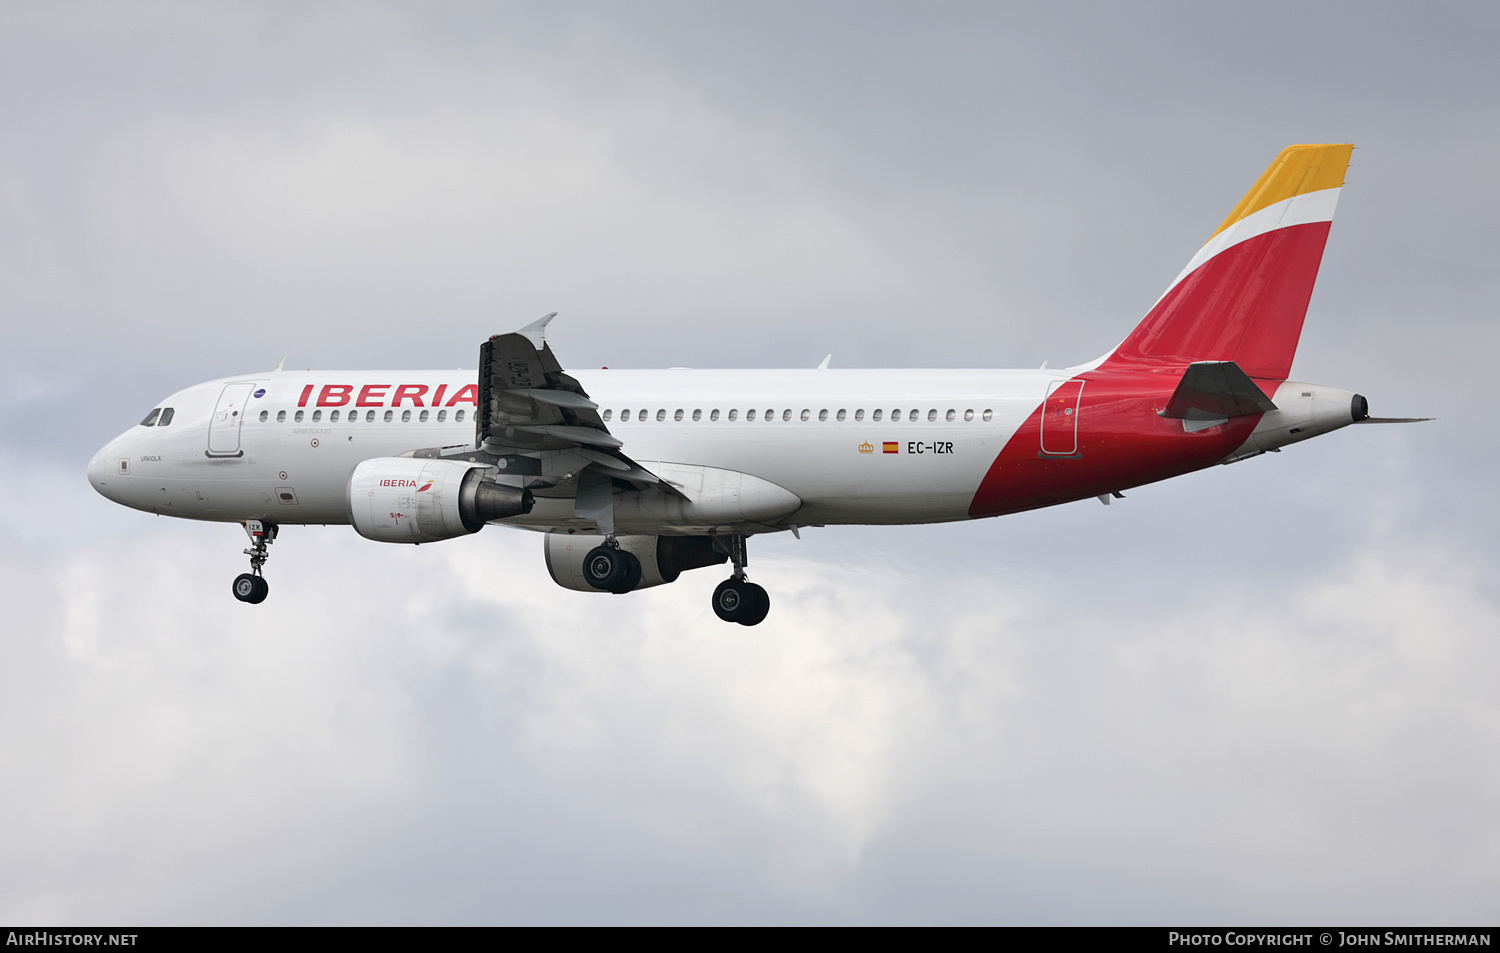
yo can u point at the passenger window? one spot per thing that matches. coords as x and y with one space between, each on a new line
150 419
786 414
389 415
697 414
749 414
442 415
733 413
987 415
298 417
859 414
968 415
265 415
624 416
895 416
932 415
842 413
422 417
770 415
458 417
317 416
806 414
875 416
661 415
823 414
608 414
281 416
951 414
405 416
369 416
333 417
678 416
713 414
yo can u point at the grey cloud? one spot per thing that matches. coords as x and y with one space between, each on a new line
467 743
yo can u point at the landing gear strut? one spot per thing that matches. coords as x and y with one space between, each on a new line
251 586
737 599
611 568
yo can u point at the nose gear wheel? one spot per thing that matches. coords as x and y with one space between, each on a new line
251 589
251 586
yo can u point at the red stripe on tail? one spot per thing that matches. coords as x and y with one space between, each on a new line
1246 304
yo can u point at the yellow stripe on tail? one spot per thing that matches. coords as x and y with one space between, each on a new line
1297 171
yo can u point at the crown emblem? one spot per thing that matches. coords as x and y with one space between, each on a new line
866 447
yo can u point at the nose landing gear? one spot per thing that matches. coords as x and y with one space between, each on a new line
251 589
737 599
251 586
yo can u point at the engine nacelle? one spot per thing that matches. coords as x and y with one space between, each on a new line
663 558
411 500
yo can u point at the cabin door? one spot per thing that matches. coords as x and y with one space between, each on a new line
1060 418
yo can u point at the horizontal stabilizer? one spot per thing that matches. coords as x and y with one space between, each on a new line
1215 390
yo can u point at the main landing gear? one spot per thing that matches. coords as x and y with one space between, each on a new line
251 586
611 568
737 599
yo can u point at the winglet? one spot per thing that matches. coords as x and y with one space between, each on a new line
277 368
536 331
824 365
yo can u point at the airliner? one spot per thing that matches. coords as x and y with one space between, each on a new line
634 477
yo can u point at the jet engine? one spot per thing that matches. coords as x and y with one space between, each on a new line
663 558
410 500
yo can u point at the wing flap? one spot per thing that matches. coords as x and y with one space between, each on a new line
528 403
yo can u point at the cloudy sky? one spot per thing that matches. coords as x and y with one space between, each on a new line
1259 694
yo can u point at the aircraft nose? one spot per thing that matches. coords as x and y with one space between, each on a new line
99 471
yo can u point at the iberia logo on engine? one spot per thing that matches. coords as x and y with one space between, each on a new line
401 483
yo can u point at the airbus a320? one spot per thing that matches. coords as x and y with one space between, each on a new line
634 477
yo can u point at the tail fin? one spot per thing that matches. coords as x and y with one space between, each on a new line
1243 296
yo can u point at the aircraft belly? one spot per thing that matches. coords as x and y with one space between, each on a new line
930 474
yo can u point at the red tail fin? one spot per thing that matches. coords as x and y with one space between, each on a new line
1244 295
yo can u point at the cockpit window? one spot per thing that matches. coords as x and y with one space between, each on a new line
166 416
150 420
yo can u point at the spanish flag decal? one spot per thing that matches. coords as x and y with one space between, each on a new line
891 446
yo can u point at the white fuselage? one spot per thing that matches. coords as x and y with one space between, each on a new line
821 434
852 446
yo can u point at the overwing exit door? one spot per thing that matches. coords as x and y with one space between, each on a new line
1060 419
224 425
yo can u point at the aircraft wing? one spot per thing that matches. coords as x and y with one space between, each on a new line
528 403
